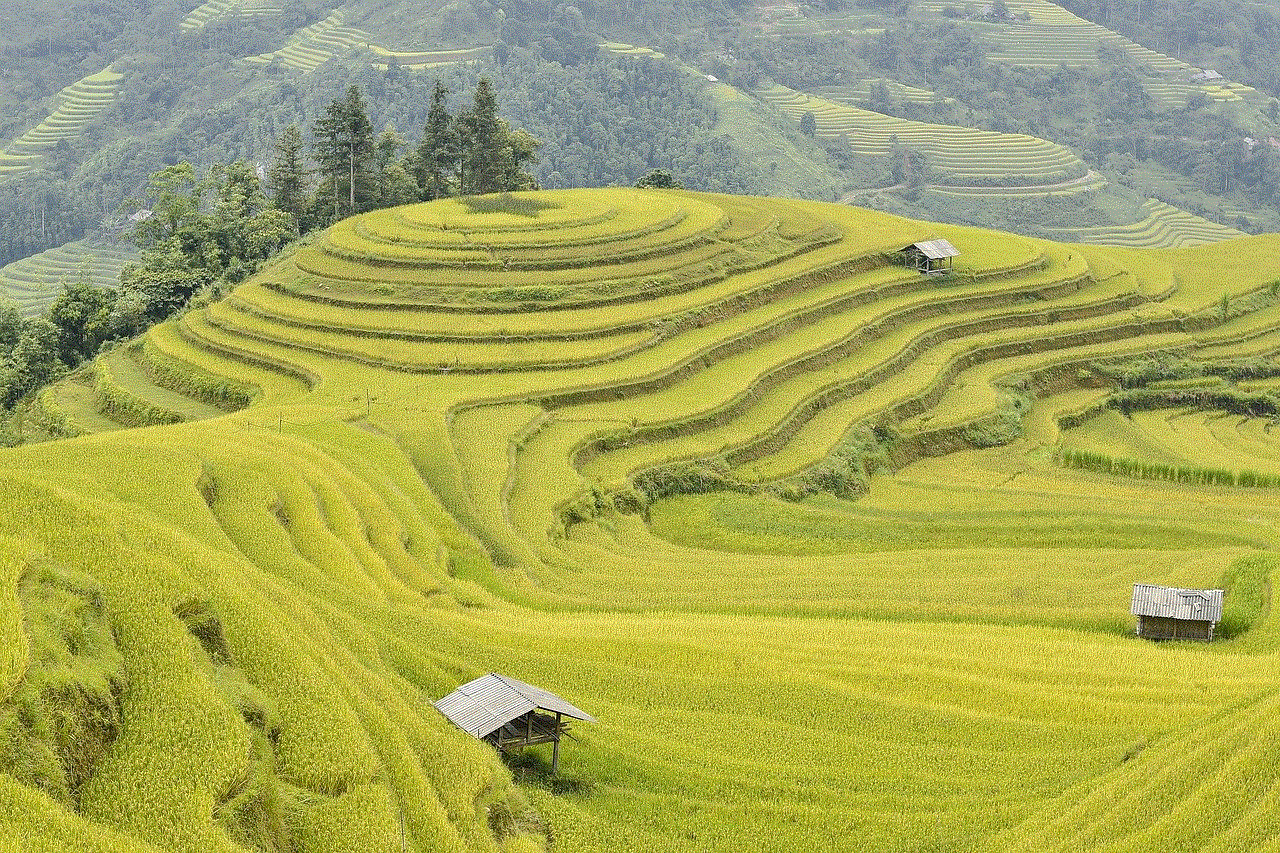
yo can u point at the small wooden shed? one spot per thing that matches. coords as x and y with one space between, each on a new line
510 714
1169 613
931 257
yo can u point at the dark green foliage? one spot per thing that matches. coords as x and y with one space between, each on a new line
204 235
344 149
82 315
808 124
438 154
1005 424
847 470
10 325
473 153
659 179
1238 38
689 479
32 363
1249 403
394 183
612 120
506 203
493 157
288 178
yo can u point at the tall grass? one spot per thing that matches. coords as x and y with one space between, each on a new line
1191 475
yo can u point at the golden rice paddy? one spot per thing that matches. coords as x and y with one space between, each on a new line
495 434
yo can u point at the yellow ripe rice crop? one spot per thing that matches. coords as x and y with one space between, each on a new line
825 544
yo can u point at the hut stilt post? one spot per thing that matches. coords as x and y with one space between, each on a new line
555 748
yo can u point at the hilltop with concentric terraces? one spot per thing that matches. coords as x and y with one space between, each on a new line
839 554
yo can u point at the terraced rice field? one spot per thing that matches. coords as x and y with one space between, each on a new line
1174 94
311 47
216 9
1162 226
624 49
495 434
34 282
73 109
1091 181
959 156
420 60
1188 438
861 92
1053 36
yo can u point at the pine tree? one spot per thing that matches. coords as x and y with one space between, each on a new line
395 186
808 124
437 155
288 178
493 156
344 147
485 137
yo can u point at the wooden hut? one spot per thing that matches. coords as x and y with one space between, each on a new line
931 257
1168 613
510 714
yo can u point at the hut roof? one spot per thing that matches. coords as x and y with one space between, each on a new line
1203 605
935 249
488 703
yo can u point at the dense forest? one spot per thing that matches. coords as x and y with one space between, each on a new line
603 118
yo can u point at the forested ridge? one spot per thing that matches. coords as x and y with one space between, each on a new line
605 118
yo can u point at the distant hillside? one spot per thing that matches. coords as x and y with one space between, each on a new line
1088 131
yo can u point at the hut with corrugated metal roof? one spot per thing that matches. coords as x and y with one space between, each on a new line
510 714
931 257
1169 613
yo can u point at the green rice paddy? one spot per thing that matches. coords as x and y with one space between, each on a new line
495 434
1163 225
217 9
33 283
314 45
72 110
959 155
419 60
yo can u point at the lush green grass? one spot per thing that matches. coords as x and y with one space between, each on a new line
620 486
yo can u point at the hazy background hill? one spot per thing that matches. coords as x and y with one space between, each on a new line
1081 129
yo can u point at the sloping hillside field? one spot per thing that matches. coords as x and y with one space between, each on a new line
838 554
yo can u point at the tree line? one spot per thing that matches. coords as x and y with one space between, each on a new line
471 153
208 232
206 235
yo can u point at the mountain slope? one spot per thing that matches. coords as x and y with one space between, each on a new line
542 434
